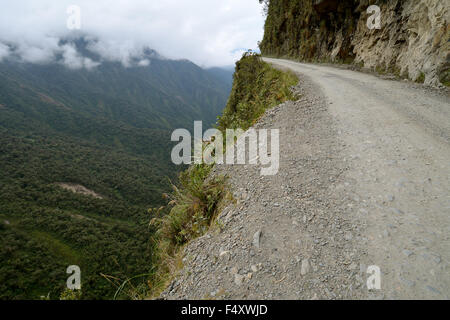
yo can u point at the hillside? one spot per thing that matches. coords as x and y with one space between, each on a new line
108 130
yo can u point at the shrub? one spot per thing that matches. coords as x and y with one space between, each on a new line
194 205
256 87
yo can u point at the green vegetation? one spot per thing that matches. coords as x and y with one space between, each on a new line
194 205
44 228
191 210
71 295
301 29
420 78
256 87
109 130
444 76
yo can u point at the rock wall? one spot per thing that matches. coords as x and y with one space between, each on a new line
413 41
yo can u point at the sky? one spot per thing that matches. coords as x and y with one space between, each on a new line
207 32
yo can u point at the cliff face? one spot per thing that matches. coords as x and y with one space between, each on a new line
413 41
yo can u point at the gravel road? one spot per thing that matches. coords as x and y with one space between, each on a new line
363 181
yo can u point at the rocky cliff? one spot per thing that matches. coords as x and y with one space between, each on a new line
412 41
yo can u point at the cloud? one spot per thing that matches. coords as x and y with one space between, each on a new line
73 60
4 51
208 32
144 63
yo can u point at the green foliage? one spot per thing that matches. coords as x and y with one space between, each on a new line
70 295
256 87
108 130
444 76
421 78
303 29
191 209
194 205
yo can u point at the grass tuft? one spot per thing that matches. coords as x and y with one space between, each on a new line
190 212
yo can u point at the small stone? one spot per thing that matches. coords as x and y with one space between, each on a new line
407 282
234 270
223 253
363 211
348 236
434 290
396 211
437 259
254 268
407 252
238 279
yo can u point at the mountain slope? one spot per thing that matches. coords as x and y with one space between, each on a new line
106 129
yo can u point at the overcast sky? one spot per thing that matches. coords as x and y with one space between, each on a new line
208 32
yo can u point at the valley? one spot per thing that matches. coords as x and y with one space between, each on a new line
105 134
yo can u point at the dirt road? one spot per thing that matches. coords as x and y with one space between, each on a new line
398 138
363 181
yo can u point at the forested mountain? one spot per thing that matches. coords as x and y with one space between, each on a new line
107 129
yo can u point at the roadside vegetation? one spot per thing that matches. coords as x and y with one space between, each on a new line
256 87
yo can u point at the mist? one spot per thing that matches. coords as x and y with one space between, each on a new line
209 33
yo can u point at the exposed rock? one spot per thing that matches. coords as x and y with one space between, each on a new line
407 252
413 41
238 279
77 188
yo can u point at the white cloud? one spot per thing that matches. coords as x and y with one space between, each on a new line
4 51
73 60
208 32
144 63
